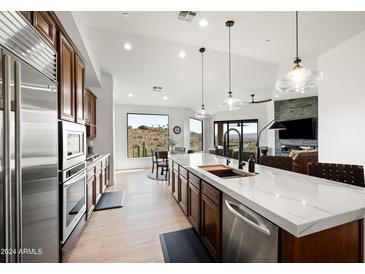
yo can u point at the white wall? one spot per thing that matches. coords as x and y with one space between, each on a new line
177 117
104 141
257 111
341 106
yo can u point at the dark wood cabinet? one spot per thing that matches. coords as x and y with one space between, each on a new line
183 201
45 25
175 186
90 113
27 15
194 206
79 90
66 92
90 205
210 229
97 188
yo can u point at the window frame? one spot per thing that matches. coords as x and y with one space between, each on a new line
235 121
202 127
156 114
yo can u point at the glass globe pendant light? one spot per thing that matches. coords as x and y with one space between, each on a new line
299 79
202 113
230 103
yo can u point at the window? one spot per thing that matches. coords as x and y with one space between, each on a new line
147 132
229 146
196 134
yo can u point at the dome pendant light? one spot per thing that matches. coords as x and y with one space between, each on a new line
202 113
230 103
299 79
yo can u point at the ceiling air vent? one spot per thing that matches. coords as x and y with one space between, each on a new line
157 89
187 16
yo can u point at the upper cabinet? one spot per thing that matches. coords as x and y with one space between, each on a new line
66 94
71 68
45 25
90 113
80 90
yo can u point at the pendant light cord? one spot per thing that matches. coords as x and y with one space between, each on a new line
297 59
229 60
202 80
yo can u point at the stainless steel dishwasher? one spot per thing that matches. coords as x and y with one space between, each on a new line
247 236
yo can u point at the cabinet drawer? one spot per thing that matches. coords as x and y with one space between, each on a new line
194 180
211 192
183 172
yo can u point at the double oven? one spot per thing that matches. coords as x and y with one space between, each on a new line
72 175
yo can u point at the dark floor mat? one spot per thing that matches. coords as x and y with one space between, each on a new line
110 200
184 246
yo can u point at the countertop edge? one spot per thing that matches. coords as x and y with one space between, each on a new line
296 230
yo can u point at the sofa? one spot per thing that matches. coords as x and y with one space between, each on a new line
297 161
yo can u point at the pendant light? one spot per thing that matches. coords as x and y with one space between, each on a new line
230 103
299 79
202 113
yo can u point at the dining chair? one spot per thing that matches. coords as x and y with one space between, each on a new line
162 162
348 174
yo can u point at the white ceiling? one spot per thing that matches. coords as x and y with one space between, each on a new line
157 38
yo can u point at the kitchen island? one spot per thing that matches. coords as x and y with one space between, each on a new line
314 215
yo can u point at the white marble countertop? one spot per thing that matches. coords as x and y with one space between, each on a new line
298 203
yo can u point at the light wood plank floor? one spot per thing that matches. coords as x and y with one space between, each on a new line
131 233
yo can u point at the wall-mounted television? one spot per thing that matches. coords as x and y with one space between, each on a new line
299 129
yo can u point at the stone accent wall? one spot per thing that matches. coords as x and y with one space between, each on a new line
293 109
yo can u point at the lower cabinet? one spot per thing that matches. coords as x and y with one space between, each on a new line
103 179
194 206
175 185
211 223
97 188
183 201
201 203
90 205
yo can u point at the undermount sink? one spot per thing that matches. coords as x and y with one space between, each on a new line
225 172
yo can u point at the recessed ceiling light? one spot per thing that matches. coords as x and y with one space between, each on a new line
268 40
165 98
276 96
203 23
182 54
126 14
127 46
130 95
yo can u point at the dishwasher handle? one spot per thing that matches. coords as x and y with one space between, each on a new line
258 227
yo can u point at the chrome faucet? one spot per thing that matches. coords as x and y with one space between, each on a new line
240 148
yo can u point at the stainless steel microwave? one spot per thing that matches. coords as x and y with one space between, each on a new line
72 144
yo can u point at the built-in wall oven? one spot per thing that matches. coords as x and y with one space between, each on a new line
73 144
72 175
73 191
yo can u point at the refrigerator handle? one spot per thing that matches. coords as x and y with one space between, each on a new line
7 158
18 167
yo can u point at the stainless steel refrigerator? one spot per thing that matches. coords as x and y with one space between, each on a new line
29 208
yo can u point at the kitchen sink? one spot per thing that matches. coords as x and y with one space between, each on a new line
226 172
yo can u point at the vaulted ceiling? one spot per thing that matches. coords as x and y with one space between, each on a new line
158 37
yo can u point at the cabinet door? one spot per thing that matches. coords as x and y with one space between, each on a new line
97 192
103 179
90 197
194 206
107 174
66 81
211 226
87 107
175 187
45 25
183 194
79 90
27 15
